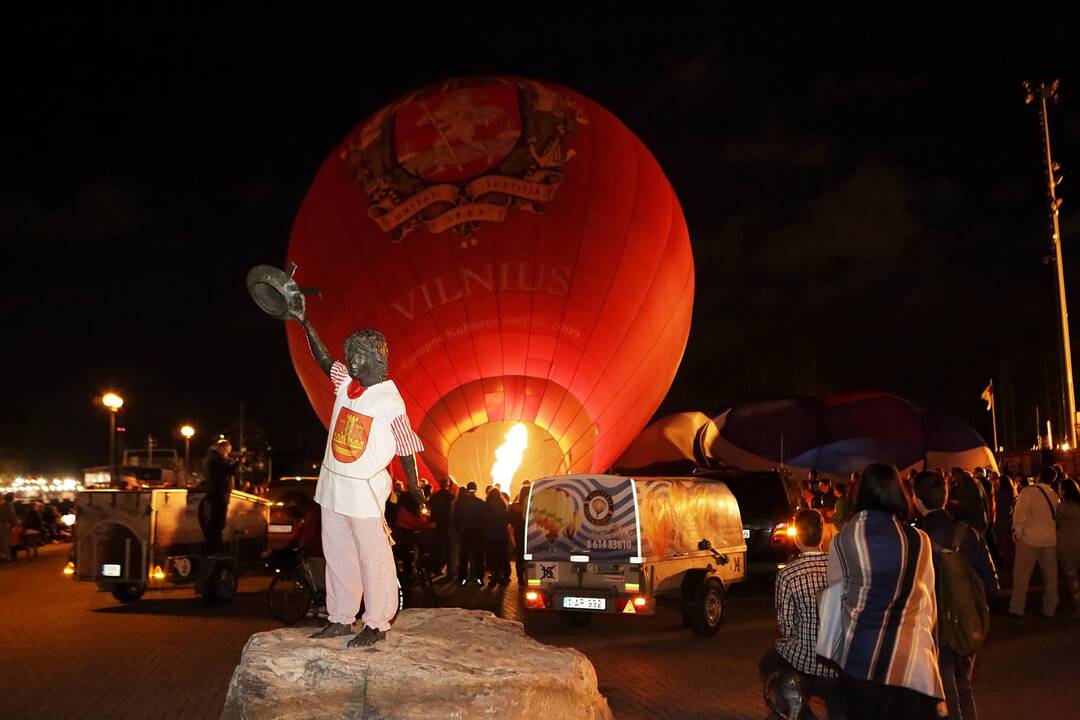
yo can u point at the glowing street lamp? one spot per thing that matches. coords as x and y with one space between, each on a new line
188 432
113 403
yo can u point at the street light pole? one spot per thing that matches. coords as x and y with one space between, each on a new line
112 403
188 432
1045 92
112 438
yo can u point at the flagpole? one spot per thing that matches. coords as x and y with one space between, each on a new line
993 414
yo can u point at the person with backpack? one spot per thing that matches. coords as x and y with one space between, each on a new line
1035 532
966 583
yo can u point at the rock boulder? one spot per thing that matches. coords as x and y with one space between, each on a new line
435 663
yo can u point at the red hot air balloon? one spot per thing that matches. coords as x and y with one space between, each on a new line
526 259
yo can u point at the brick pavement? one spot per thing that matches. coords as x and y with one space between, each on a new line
70 652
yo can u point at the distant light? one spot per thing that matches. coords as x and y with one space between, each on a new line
792 531
187 431
1065 447
68 519
69 569
112 401
158 573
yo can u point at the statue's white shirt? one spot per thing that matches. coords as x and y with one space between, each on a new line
367 428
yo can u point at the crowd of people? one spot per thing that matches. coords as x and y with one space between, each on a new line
470 540
887 622
26 526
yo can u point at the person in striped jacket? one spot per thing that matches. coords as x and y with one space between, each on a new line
884 643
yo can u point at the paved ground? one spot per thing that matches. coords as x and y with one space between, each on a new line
70 652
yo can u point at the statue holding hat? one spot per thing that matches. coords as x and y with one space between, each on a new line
368 427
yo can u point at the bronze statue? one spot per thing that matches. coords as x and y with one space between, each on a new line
368 427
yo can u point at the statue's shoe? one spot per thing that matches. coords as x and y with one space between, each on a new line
367 637
332 630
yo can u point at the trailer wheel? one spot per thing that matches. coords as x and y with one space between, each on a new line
127 592
703 606
221 585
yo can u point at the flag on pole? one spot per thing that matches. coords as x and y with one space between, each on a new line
988 396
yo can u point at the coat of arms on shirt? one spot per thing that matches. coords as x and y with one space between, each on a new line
350 435
463 153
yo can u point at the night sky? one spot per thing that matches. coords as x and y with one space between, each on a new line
866 199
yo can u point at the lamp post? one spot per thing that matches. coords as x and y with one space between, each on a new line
1042 92
112 403
188 432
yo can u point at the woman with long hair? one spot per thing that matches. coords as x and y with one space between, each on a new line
884 642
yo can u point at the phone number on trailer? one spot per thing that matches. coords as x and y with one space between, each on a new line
609 544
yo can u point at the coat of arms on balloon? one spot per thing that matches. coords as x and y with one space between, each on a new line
464 153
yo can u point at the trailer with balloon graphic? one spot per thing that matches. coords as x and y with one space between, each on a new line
612 544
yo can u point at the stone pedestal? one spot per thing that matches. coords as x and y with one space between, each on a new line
435 663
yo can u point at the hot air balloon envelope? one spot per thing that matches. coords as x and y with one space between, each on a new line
839 435
526 259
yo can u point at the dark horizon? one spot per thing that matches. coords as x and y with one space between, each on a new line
866 202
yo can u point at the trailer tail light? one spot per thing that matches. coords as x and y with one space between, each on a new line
634 605
535 600
69 569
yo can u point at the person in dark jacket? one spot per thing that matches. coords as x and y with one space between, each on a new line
33 530
441 505
1004 502
967 502
517 522
220 470
957 671
468 521
497 537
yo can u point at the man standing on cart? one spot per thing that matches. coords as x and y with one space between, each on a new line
220 469
368 427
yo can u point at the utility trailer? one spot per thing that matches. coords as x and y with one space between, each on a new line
130 541
610 544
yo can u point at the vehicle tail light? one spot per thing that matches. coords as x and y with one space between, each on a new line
783 534
535 599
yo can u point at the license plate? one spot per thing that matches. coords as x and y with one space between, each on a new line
580 603
110 570
281 528
746 533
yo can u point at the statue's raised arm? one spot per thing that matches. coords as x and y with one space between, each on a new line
278 295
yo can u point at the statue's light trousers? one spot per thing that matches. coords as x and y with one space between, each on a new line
359 564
